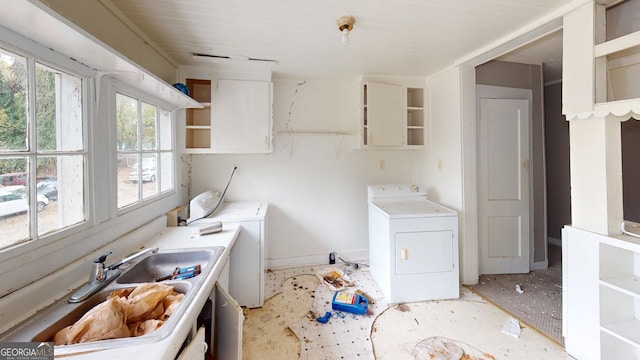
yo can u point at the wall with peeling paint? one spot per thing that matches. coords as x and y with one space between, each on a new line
316 179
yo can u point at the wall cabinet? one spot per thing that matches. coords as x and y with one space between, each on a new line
236 116
241 117
392 116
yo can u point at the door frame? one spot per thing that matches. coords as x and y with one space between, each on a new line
467 75
501 92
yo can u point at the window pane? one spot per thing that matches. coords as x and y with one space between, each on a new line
166 175
60 192
166 142
149 175
127 122
148 131
58 110
13 101
128 179
14 215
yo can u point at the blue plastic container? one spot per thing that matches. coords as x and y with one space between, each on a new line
351 303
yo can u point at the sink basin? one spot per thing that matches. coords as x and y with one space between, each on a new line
160 264
63 316
43 325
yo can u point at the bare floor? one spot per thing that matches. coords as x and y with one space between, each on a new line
286 327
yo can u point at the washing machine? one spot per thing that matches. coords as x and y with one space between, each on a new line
250 252
413 244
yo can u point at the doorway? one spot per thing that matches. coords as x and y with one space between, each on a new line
534 297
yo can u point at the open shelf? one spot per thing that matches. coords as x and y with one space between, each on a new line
198 121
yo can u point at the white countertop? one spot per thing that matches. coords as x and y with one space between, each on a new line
167 348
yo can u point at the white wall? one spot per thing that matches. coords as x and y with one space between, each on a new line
442 170
316 184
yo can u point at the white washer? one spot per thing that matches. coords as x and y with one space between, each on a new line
413 244
249 254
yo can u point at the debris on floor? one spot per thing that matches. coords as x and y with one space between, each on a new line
439 348
512 327
519 289
335 279
291 303
370 300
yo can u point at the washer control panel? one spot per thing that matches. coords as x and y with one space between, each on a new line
396 190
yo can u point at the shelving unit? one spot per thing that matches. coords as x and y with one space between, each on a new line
198 121
415 116
619 286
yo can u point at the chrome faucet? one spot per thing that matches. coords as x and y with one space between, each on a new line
98 279
101 275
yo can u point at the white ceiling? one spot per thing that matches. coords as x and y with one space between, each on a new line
396 38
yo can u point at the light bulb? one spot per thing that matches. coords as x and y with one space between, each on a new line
345 35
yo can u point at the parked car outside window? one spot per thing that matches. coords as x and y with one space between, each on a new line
148 171
49 188
12 203
12 179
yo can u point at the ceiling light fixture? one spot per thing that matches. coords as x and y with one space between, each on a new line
345 25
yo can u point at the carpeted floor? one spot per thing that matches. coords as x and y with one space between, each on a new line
540 303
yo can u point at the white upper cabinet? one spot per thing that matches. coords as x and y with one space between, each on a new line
392 116
235 118
241 117
383 115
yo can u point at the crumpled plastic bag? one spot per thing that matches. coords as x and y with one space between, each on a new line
144 327
125 312
106 320
144 299
171 302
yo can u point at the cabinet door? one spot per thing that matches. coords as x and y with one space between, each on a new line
385 115
241 117
196 348
227 326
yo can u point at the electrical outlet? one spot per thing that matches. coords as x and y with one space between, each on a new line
332 258
381 164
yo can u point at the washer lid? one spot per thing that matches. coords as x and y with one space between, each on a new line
404 209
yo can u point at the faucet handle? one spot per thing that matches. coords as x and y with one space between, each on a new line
102 258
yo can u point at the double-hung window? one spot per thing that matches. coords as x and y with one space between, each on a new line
42 149
145 150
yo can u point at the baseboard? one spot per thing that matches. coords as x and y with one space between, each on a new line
540 265
320 259
554 241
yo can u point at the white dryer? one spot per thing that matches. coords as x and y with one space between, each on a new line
250 252
413 244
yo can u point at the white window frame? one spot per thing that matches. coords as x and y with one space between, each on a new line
127 90
37 55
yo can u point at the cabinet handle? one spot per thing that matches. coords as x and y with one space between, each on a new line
404 254
204 347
